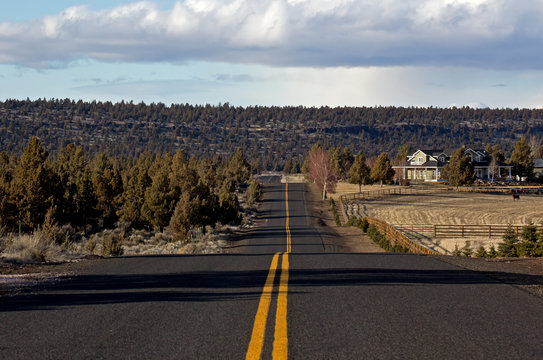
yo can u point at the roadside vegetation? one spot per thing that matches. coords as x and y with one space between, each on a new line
375 235
528 243
53 208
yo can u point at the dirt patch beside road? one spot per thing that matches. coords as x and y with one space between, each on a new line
336 238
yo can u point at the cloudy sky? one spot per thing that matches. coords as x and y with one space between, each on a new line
276 52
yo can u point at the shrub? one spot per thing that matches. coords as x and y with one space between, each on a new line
32 248
481 252
456 251
492 253
467 251
333 208
112 245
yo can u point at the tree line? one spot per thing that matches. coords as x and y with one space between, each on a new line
152 191
268 135
326 167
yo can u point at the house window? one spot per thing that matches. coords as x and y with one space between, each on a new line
420 159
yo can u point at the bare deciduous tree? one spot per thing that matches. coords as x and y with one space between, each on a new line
320 170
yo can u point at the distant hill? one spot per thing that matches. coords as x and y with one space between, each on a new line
268 135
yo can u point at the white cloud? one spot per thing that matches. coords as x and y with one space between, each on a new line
475 33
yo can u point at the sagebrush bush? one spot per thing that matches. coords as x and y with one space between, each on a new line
112 245
32 248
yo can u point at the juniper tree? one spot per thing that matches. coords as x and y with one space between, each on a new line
108 187
159 200
33 186
522 159
238 168
382 170
360 171
134 197
459 170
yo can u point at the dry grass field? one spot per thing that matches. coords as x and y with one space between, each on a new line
343 188
454 208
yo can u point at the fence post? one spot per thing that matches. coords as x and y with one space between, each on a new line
489 232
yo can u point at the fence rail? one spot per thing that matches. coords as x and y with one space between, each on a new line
375 194
457 231
396 236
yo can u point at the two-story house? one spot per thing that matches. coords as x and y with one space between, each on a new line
427 165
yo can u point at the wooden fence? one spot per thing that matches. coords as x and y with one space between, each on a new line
376 194
397 237
457 231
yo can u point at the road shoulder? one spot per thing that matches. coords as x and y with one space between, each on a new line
336 238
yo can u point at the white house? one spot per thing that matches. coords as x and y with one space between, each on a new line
427 165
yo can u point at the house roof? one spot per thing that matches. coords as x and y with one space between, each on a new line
538 163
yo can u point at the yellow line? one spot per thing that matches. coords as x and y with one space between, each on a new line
280 342
287 225
259 328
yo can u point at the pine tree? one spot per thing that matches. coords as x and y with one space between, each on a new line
492 253
254 192
508 248
159 201
107 184
346 161
134 197
33 186
238 168
360 171
401 156
77 205
481 252
382 170
522 159
459 170
528 241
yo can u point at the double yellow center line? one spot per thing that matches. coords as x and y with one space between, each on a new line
280 341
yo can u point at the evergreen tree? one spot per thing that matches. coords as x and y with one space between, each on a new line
528 241
228 203
108 187
401 156
346 161
33 186
134 197
508 248
159 201
77 205
382 171
522 159
238 168
459 170
360 171
254 192
481 252
492 253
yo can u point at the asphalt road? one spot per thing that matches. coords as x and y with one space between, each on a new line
264 299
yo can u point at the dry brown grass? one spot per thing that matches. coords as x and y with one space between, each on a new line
454 208
32 248
343 188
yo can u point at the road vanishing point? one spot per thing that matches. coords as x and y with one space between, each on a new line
279 296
